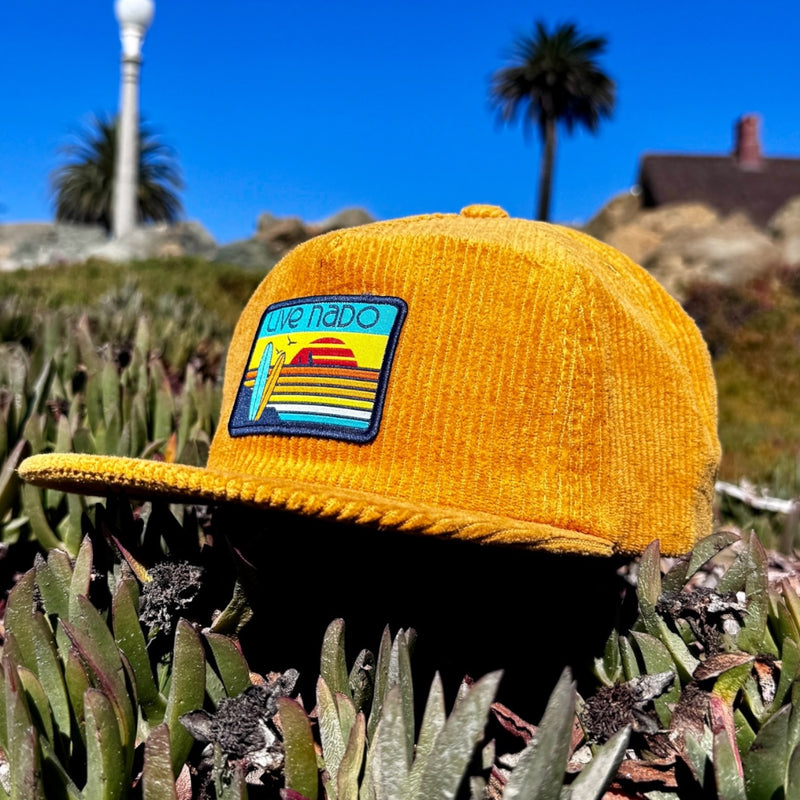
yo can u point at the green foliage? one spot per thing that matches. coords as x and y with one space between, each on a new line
752 332
94 697
96 289
373 755
85 687
83 187
732 653
68 395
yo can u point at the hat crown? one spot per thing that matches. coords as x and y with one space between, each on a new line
539 376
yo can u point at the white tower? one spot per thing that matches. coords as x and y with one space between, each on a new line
134 17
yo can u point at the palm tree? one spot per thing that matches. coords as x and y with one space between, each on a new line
83 187
553 78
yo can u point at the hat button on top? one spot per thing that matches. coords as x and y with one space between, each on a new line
483 211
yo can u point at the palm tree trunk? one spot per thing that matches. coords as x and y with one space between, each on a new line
546 170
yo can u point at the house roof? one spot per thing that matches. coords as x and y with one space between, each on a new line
721 182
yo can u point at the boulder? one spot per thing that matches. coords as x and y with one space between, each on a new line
784 227
281 234
636 241
638 232
35 243
249 253
673 217
618 211
348 218
729 252
24 245
158 241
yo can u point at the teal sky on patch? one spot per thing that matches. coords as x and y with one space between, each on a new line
329 315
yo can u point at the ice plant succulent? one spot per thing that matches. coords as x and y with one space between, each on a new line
84 693
726 722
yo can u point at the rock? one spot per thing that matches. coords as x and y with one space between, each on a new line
250 253
681 244
33 244
633 239
729 252
159 241
674 217
785 229
191 238
640 237
618 211
348 218
281 234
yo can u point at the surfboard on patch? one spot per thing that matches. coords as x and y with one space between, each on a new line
272 380
260 382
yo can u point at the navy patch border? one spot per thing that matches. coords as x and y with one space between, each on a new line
297 428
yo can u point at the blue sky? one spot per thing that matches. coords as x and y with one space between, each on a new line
306 108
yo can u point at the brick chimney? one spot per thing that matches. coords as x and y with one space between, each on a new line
747 145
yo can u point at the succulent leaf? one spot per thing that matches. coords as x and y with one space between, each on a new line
235 615
599 772
332 737
19 610
158 782
765 763
793 774
381 682
433 720
609 668
9 480
26 768
684 660
230 663
298 742
754 559
630 665
130 639
34 510
730 783
350 765
77 681
790 670
400 675
104 668
702 553
648 588
362 680
333 666
21 745
81 578
107 770
391 760
37 702
456 741
658 659
186 691
539 773
70 530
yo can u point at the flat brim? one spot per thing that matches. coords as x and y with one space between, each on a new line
143 479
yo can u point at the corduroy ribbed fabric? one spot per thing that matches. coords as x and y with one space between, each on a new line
539 389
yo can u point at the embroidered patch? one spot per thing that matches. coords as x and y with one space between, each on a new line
319 366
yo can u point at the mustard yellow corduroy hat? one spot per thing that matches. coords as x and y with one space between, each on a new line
465 375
